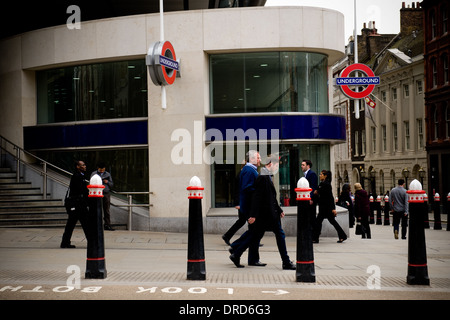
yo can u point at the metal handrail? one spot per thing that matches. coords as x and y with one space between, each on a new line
130 204
44 172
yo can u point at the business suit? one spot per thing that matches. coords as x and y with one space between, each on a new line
326 206
311 176
247 179
266 211
79 192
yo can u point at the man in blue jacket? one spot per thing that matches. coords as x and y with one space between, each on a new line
247 179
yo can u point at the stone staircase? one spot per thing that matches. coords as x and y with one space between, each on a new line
22 206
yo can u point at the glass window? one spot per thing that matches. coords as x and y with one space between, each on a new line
128 167
92 92
394 137
269 82
420 134
384 138
225 177
374 139
407 137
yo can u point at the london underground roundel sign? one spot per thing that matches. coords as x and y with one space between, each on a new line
345 81
162 63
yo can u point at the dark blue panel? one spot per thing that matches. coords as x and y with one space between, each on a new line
229 126
332 127
85 135
328 127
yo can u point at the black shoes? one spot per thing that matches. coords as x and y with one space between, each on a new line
70 246
289 266
227 241
108 227
258 264
342 240
236 261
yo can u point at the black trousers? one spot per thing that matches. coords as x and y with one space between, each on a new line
400 216
240 222
318 226
74 216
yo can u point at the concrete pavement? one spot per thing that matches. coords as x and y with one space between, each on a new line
152 266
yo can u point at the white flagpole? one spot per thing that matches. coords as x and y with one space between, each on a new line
161 38
355 50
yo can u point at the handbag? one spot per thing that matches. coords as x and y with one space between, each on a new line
358 229
69 202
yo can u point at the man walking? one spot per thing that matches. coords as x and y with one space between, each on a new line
399 204
247 178
77 209
265 214
107 181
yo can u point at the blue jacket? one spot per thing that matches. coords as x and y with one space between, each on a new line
247 179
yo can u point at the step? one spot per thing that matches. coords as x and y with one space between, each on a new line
7 175
21 196
10 185
32 215
6 170
31 202
32 221
31 209
22 191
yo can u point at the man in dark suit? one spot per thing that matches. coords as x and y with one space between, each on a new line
78 209
310 175
266 214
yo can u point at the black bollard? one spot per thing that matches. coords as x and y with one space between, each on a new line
95 262
417 253
387 208
305 254
196 269
426 216
437 212
378 208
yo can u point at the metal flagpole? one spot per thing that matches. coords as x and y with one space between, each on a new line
161 36
355 50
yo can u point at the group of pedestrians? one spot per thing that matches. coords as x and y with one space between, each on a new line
360 209
259 207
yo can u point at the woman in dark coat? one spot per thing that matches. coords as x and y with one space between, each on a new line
362 210
345 201
327 207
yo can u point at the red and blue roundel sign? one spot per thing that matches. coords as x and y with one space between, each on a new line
162 63
345 81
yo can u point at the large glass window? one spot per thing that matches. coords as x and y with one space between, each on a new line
225 181
128 167
269 82
92 92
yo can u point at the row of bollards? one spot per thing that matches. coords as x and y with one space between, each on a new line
375 206
305 271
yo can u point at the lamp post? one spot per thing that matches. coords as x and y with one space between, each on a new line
421 175
405 173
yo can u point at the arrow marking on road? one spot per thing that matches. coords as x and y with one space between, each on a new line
277 293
